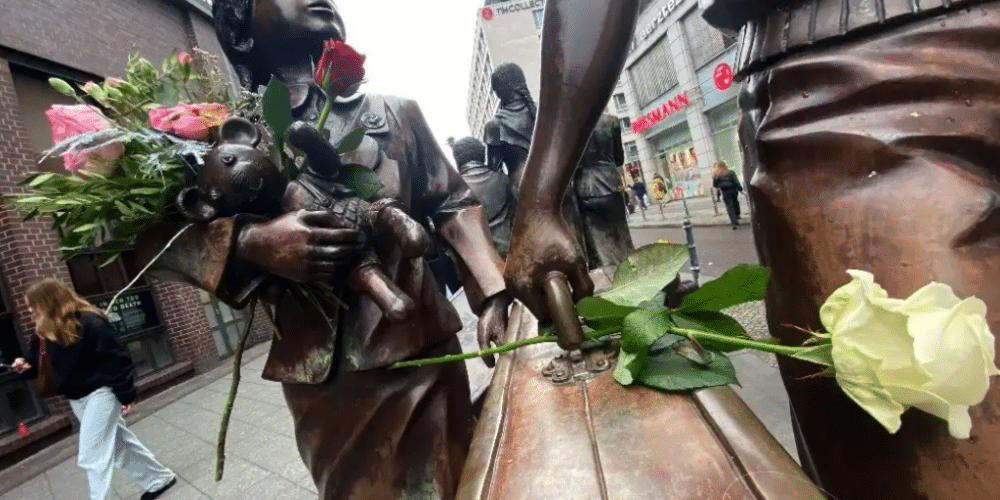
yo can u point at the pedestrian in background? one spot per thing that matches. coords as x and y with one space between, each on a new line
639 188
91 368
729 188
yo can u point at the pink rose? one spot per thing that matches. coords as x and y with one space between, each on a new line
191 121
184 58
68 121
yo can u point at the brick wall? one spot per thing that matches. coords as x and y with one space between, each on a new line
29 250
94 36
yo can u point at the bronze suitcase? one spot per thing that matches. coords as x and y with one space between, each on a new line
574 433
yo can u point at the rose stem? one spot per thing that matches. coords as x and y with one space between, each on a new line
510 346
220 457
716 338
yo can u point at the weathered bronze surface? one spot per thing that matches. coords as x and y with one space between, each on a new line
598 186
870 142
588 437
364 432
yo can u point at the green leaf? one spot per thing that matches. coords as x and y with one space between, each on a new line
351 141
602 313
821 355
146 191
714 322
277 107
362 180
641 276
38 180
166 94
669 371
86 228
639 331
743 283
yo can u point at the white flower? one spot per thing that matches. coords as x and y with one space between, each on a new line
932 351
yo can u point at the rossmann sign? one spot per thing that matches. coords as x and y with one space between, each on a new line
644 122
511 7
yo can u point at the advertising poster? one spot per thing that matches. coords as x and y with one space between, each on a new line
683 165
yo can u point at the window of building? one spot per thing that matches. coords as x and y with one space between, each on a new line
644 4
621 105
225 323
631 152
136 314
18 401
723 120
626 124
539 17
653 74
704 41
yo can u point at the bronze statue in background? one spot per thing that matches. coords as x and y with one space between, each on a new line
491 187
362 430
598 186
871 133
508 137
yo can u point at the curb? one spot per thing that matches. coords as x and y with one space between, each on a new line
65 449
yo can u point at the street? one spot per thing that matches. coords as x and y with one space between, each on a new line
719 247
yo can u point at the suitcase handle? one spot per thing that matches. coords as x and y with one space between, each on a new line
560 302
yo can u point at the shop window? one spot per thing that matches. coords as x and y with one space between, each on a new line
136 314
704 41
225 323
621 105
653 74
18 400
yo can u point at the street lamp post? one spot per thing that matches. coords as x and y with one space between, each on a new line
689 234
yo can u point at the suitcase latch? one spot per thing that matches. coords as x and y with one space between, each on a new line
585 364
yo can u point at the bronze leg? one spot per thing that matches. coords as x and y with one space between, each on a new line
385 434
882 154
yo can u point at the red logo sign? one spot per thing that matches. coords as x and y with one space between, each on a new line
723 76
487 13
679 102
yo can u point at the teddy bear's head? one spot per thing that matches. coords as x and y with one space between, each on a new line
236 177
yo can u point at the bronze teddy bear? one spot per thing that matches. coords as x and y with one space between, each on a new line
238 178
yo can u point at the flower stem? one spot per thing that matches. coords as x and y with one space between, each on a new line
716 338
510 346
325 113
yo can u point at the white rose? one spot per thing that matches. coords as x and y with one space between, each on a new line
932 351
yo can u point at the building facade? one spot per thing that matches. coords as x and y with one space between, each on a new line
506 32
171 330
676 100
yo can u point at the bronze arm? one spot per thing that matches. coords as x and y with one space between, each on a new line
584 46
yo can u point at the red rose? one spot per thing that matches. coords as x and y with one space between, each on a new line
487 13
341 69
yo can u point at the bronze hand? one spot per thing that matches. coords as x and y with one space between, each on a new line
301 246
493 323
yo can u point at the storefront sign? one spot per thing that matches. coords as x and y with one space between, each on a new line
644 122
723 76
508 8
661 16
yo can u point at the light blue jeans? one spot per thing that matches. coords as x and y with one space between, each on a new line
107 444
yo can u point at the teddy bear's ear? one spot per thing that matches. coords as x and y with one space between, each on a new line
239 131
191 205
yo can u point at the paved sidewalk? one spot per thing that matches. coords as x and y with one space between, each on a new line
181 425
671 214
261 459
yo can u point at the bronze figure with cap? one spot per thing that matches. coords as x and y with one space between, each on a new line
362 430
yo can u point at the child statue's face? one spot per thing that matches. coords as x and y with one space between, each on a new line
296 20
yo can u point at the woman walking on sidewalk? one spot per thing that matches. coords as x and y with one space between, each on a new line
726 182
91 368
